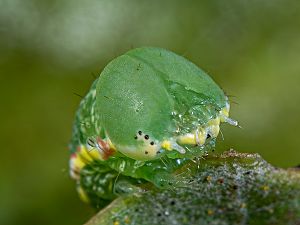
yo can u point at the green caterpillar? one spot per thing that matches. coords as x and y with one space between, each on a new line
148 113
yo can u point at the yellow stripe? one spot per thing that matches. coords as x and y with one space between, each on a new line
166 145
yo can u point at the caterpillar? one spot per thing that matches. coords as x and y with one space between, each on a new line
149 112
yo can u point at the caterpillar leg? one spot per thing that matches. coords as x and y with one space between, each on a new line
125 186
164 180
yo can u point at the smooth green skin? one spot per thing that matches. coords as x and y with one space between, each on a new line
139 91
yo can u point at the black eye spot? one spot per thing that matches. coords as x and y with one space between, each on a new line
146 137
140 132
135 137
208 136
146 152
158 152
152 143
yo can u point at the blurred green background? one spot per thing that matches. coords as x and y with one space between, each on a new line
50 50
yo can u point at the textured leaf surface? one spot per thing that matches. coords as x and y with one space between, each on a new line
231 188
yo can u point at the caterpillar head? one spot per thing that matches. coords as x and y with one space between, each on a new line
152 102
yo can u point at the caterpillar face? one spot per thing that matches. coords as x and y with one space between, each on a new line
151 102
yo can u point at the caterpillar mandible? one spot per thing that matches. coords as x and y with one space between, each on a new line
149 112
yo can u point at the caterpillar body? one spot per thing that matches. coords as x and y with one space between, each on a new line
149 112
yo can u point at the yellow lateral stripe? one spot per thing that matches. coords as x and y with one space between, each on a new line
82 195
77 163
83 152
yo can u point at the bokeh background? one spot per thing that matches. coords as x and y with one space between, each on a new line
51 51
